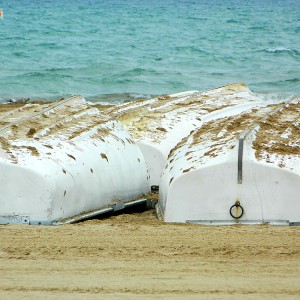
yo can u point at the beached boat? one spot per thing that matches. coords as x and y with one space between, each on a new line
241 168
159 124
65 161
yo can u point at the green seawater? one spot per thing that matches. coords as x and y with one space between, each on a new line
119 50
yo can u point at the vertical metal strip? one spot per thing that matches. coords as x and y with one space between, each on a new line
240 161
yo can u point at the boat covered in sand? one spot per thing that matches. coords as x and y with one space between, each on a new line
242 167
222 156
159 124
65 161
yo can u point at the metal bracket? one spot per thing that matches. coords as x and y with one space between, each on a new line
135 202
114 207
241 222
14 219
154 188
240 160
118 206
294 223
159 212
83 216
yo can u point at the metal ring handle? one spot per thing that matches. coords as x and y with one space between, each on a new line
237 205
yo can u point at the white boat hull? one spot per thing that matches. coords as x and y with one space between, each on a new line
159 124
48 177
240 168
267 194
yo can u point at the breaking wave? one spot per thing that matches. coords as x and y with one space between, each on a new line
281 50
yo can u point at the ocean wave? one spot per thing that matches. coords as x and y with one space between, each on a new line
27 97
280 50
190 49
117 98
217 73
290 84
136 72
232 21
20 54
257 28
292 80
41 75
15 38
197 18
279 97
50 45
61 69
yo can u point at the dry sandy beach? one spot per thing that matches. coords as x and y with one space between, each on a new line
135 256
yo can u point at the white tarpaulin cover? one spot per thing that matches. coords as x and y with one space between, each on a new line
161 123
65 158
240 166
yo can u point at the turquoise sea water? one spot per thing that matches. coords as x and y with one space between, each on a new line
115 49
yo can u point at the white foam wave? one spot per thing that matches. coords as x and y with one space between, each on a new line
278 49
277 97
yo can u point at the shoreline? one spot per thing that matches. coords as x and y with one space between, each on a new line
120 98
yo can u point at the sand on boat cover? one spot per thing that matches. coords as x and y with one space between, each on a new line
135 256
